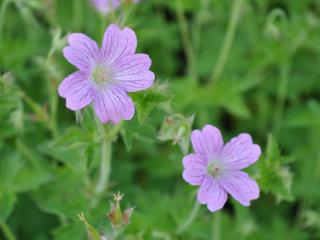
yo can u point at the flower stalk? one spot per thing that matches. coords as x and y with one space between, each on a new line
189 220
216 234
6 231
228 41
105 166
186 41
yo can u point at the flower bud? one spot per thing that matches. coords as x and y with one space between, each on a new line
118 218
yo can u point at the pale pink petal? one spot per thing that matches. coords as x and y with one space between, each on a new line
77 89
118 43
132 72
105 6
207 142
82 51
240 186
240 152
113 104
195 169
212 194
218 198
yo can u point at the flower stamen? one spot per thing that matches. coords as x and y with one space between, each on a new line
214 169
101 75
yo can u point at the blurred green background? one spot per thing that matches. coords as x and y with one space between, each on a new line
244 66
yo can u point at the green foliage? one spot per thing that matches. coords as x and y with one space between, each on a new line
50 158
274 172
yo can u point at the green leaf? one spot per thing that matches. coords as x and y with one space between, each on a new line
133 130
7 201
68 194
231 99
70 148
274 172
72 230
154 97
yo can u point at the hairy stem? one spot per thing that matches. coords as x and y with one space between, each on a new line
228 41
186 41
189 220
105 166
216 234
6 231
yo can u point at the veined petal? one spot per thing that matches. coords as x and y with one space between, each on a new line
207 142
132 72
82 51
118 43
240 152
218 198
195 169
113 104
240 186
212 194
77 89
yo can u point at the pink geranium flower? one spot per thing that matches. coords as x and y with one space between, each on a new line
216 168
105 6
105 74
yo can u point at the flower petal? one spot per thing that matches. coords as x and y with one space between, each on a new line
240 152
240 186
195 169
113 104
118 43
207 142
77 89
211 193
105 6
132 72
82 51
218 199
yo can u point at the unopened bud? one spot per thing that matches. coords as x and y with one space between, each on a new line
116 216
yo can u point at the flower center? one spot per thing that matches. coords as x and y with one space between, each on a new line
101 75
214 169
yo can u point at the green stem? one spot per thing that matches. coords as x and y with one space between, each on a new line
197 29
112 15
77 11
216 234
281 97
228 41
6 231
105 167
190 218
53 98
3 9
128 10
52 86
186 41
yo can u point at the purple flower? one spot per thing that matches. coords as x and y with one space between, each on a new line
105 74
216 168
105 6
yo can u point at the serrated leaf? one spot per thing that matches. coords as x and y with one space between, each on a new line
274 172
146 101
